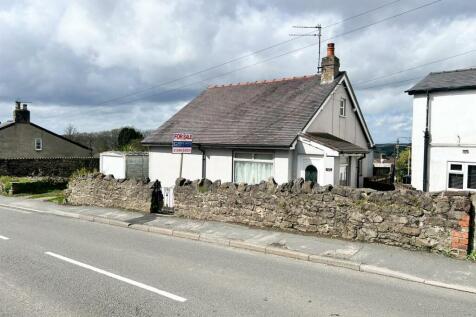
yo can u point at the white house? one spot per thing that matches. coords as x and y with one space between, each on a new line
310 127
444 131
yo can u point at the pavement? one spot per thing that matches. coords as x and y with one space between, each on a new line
58 266
415 266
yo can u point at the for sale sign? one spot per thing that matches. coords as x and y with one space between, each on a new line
182 143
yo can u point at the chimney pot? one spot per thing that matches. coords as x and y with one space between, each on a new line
17 105
25 106
330 49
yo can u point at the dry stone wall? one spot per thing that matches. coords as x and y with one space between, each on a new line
105 191
436 222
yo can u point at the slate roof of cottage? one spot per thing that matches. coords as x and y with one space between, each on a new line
444 81
265 114
335 143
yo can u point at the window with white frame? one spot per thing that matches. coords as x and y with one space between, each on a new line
342 107
38 144
462 176
252 168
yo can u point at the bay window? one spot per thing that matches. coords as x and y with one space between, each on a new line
252 168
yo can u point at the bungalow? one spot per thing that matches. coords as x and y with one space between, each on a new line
310 127
21 138
444 133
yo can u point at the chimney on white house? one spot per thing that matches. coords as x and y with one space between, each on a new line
330 65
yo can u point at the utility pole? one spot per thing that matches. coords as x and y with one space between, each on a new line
318 34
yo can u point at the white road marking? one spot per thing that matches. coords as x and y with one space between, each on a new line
120 278
4 238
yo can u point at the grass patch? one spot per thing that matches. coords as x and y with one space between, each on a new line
52 193
54 196
472 256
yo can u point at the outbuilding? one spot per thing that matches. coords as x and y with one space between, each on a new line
124 164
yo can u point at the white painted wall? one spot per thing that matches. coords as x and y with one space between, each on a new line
452 129
219 164
418 129
321 157
439 158
165 166
113 164
282 170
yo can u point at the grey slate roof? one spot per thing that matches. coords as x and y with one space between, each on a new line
265 114
449 80
335 143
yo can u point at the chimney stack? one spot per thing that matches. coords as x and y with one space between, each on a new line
330 65
21 114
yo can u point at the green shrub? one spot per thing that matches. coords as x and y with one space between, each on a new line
82 172
472 256
6 182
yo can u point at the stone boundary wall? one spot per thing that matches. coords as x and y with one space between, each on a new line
104 191
437 222
57 166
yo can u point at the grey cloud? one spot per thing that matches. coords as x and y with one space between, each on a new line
68 57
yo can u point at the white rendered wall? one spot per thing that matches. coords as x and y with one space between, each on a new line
282 171
113 165
439 158
452 129
165 166
418 128
219 164
321 159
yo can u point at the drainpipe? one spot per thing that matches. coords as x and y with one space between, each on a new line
426 144
358 168
204 162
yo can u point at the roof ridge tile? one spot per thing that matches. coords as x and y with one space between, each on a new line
264 81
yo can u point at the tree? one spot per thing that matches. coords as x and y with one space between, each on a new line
403 162
127 135
70 132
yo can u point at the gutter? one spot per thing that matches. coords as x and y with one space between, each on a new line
358 169
426 143
204 161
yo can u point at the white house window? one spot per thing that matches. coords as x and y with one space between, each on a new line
462 176
342 108
252 168
471 177
38 144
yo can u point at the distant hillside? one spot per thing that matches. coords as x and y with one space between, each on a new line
388 149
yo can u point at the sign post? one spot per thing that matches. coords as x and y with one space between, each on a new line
182 144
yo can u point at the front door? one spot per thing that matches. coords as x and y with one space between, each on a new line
311 174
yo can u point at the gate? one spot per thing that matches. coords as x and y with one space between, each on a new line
168 197
162 198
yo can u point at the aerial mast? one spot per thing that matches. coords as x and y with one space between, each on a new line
318 34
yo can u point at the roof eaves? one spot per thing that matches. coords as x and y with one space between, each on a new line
422 90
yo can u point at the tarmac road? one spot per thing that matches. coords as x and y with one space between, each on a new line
54 266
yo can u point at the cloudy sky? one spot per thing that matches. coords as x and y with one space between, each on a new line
100 64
